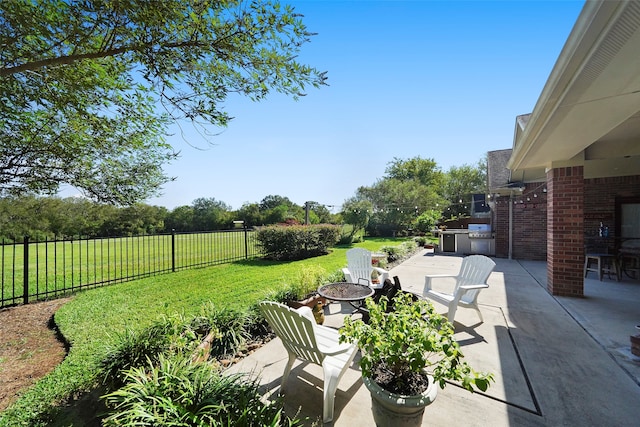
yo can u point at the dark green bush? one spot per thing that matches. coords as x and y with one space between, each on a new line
156 382
295 242
421 240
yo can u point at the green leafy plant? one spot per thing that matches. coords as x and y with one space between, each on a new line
421 240
231 326
133 349
395 253
180 393
305 284
400 346
295 242
177 335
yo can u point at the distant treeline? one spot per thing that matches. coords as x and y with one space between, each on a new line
53 217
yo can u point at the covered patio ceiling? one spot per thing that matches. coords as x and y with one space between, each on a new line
589 111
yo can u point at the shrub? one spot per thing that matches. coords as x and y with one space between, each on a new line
287 243
180 393
174 336
395 253
134 349
427 221
306 283
231 326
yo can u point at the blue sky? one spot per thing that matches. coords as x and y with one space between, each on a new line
436 79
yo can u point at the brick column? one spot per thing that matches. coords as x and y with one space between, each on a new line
565 231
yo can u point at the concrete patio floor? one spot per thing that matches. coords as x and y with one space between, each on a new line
556 361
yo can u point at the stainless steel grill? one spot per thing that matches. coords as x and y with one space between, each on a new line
480 238
480 231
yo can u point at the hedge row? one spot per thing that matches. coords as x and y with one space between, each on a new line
295 242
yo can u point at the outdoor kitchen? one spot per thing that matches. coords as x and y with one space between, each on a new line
470 236
475 239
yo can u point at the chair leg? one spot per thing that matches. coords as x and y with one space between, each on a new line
452 312
331 379
600 268
287 371
479 313
586 265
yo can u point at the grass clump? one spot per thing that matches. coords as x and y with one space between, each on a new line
174 391
306 283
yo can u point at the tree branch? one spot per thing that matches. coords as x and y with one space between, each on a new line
68 59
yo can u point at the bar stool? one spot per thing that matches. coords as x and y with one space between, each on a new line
604 263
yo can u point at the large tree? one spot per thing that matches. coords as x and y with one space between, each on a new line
210 214
87 88
408 189
460 183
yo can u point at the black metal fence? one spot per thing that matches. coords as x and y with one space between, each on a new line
32 271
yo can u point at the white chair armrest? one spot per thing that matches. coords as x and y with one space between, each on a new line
338 349
463 289
471 287
326 335
380 270
429 277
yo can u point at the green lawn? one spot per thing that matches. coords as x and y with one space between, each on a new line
59 266
94 318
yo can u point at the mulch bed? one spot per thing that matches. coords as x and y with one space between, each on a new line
29 347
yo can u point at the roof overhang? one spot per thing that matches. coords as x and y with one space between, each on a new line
589 110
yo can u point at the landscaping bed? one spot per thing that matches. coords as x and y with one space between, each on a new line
128 302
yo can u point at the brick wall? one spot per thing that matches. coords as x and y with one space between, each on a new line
529 224
600 201
500 213
565 231
530 216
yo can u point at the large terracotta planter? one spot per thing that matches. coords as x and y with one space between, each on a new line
312 302
395 410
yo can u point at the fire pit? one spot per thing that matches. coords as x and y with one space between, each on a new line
345 291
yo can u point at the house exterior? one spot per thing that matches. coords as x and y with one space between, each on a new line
575 160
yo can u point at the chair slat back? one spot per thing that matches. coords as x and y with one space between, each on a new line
475 269
359 264
295 330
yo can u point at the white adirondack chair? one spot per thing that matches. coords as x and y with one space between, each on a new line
359 268
471 279
306 340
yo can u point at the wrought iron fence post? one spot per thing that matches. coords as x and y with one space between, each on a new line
246 243
25 278
173 250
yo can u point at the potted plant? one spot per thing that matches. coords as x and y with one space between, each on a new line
375 276
406 354
303 292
